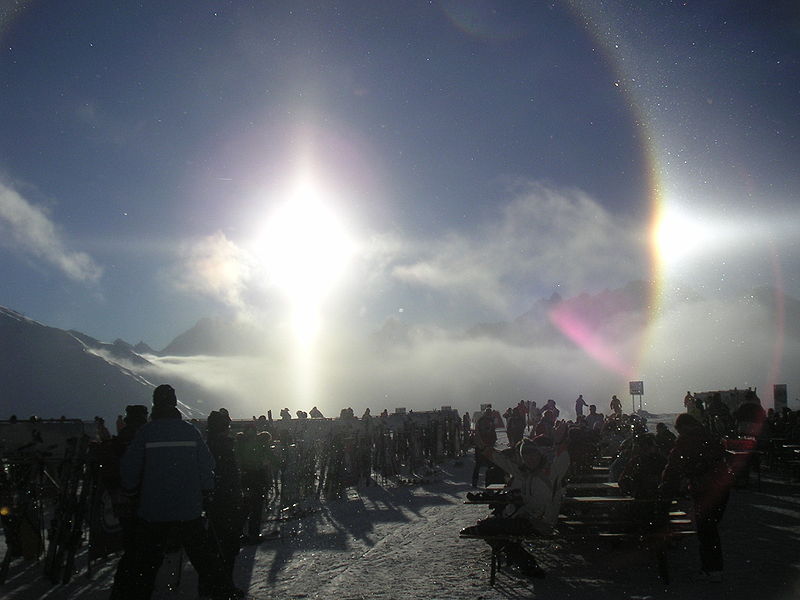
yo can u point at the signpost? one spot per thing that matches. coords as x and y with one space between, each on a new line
637 389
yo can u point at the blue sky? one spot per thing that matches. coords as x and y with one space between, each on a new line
477 156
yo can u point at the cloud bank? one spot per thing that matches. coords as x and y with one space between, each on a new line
698 345
542 240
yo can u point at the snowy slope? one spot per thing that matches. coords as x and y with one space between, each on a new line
49 372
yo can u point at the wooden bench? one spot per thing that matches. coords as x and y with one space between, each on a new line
597 488
596 518
741 462
656 542
496 543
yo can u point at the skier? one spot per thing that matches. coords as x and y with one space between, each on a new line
665 439
516 426
534 414
616 406
699 457
551 406
253 452
594 420
485 436
124 504
171 468
226 509
580 403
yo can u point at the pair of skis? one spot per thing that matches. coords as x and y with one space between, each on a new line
66 526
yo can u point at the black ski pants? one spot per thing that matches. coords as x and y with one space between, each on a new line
150 548
707 516
255 490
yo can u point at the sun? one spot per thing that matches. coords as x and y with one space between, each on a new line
304 250
304 246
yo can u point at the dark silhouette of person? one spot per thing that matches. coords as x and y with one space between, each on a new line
515 429
124 504
665 439
486 437
226 509
580 404
170 468
255 459
699 457
616 406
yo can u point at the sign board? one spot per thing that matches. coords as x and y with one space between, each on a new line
779 396
446 408
399 411
637 388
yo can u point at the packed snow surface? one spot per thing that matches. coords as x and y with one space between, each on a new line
389 541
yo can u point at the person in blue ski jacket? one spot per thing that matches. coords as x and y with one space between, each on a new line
169 467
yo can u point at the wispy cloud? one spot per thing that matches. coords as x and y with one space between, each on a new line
543 237
29 229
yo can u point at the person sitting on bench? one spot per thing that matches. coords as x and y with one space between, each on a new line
536 486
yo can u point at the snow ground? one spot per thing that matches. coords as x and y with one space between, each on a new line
402 542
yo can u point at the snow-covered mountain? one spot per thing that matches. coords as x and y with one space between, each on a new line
118 351
218 337
50 372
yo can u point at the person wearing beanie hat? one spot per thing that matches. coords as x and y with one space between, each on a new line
226 510
135 414
218 423
124 504
165 401
255 460
169 467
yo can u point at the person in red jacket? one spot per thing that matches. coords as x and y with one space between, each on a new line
699 458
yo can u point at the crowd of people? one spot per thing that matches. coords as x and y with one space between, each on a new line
653 467
177 488
174 486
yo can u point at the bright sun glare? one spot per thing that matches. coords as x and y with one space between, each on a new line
677 235
305 247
